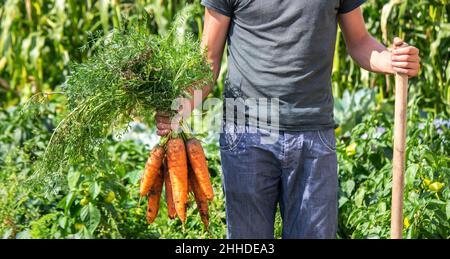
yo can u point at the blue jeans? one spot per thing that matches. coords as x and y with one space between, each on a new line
298 172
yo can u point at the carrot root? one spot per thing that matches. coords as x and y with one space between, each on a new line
200 199
177 163
199 165
169 193
154 197
151 170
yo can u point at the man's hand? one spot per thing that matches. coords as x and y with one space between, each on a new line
166 124
405 58
184 106
163 124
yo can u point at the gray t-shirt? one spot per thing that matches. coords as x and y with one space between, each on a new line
284 49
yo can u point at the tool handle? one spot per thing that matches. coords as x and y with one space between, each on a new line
401 97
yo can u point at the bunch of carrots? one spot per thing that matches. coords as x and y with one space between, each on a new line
179 163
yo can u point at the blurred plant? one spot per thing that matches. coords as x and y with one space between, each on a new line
351 108
39 38
102 201
424 24
365 170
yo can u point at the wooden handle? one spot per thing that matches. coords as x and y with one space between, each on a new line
401 97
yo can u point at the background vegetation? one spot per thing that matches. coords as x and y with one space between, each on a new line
40 38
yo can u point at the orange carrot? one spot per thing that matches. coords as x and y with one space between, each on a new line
151 170
198 162
154 196
200 199
169 196
177 162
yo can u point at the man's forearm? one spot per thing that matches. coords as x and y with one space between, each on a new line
213 56
215 67
372 55
215 61
213 42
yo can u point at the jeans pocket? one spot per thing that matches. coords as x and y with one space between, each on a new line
232 137
231 142
225 141
328 139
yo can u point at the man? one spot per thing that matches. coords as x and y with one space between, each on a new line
283 50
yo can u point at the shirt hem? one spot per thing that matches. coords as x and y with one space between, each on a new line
351 7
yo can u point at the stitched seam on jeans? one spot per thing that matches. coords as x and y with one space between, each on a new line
325 143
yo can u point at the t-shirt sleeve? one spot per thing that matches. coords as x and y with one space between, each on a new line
224 7
349 5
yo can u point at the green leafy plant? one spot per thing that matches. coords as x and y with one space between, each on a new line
422 23
133 74
351 108
365 170
99 199
41 40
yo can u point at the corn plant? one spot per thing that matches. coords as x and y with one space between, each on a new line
39 39
423 23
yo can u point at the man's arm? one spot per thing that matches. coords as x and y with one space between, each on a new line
213 41
372 55
214 37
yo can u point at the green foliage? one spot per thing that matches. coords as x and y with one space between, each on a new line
365 177
422 23
132 74
21 142
84 208
352 107
42 40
